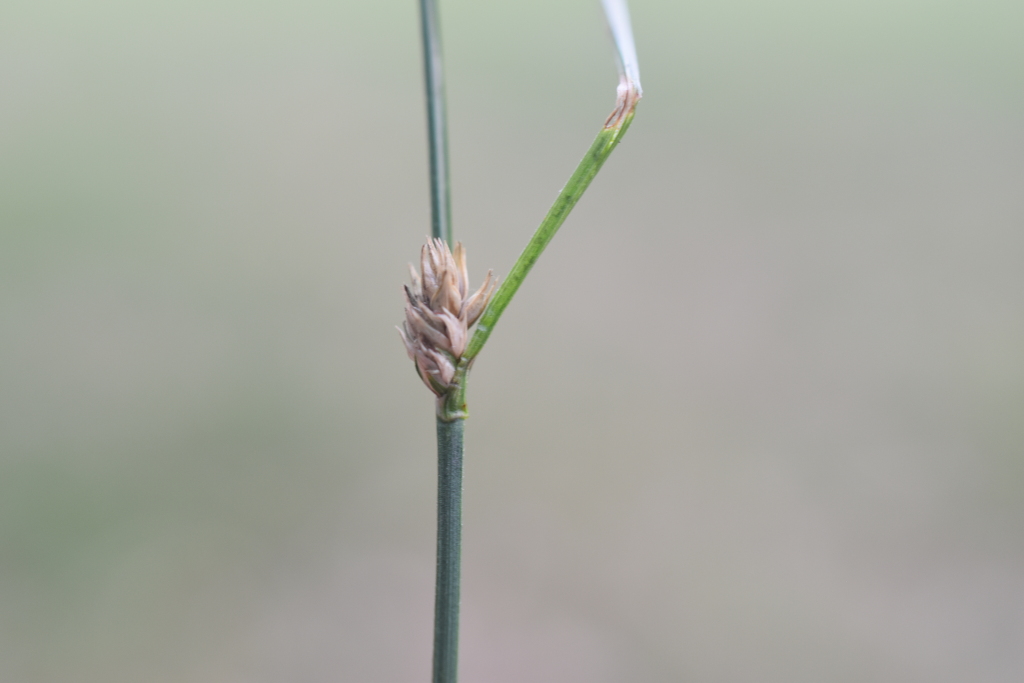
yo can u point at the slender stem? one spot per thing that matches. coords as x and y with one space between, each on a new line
628 94
449 543
602 148
449 431
437 124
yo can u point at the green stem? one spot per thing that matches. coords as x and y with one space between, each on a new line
602 148
449 423
437 125
449 543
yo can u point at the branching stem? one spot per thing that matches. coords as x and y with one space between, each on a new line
602 148
451 407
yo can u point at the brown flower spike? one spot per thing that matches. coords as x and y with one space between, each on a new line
439 310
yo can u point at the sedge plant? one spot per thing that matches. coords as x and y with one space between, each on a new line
440 308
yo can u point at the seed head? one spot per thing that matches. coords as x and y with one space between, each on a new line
439 310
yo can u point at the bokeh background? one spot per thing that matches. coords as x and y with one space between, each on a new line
757 415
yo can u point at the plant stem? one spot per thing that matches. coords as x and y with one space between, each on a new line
452 406
449 431
449 544
605 142
437 124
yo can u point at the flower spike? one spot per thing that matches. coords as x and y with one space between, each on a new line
439 310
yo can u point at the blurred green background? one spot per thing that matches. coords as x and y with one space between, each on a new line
757 415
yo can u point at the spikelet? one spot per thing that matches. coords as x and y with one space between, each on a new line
439 310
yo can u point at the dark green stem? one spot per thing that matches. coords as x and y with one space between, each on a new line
451 409
449 544
437 125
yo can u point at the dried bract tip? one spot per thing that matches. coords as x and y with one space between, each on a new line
439 310
626 97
